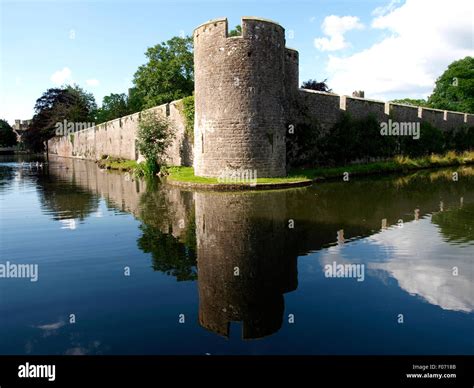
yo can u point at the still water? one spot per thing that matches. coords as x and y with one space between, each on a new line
130 267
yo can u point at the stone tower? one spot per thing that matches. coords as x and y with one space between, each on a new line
242 85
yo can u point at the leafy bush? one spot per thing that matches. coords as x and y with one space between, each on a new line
188 112
369 141
143 169
460 139
7 136
340 143
153 138
432 140
303 143
360 139
356 139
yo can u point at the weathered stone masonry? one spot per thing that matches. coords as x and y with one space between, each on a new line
239 98
117 138
246 88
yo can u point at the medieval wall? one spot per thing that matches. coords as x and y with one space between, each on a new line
327 109
117 138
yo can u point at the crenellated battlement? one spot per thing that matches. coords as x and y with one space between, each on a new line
214 28
245 77
252 28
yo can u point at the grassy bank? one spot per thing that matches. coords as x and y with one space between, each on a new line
186 174
118 164
397 164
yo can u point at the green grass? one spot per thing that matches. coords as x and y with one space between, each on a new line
186 174
118 164
397 164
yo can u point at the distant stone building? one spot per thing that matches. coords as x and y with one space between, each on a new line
20 127
358 93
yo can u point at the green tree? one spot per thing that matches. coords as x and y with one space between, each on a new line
411 101
7 136
312 84
237 31
431 140
169 73
153 137
455 88
83 107
135 102
113 106
69 103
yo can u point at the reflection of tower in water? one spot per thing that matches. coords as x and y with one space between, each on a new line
244 262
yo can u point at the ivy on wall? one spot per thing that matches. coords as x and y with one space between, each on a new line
188 112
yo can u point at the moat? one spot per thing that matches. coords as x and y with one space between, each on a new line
146 268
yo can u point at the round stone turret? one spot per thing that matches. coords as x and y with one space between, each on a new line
240 98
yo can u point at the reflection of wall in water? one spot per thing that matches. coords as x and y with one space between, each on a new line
248 232
167 206
118 188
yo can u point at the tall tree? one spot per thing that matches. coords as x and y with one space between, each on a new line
411 101
69 103
113 106
455 87
7 136
237 31
169 73
135 102
315 85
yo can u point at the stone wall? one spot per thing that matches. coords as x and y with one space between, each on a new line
324 107
327 108
117 138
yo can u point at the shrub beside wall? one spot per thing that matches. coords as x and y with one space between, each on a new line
359 140
153 138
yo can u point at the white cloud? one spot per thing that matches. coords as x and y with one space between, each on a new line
61 76
421 42
425 270
335 27
92 82
11 110
380 11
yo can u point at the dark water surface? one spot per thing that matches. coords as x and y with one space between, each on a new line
244 271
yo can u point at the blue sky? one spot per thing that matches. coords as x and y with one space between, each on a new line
388 48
